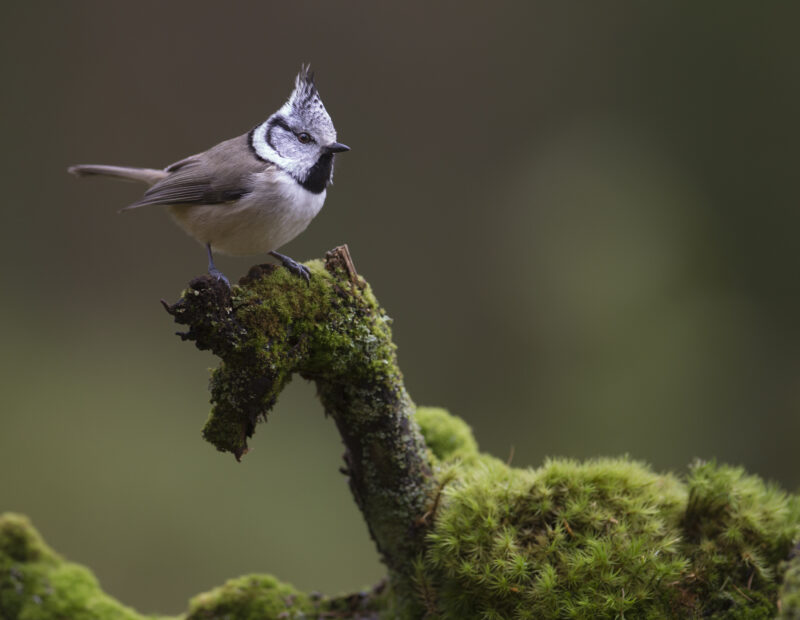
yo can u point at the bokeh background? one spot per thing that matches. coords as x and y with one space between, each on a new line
583 218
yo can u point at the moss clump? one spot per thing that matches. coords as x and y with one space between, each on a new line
253 597
567 540
37 584
446 436
607 538
738 531
327 327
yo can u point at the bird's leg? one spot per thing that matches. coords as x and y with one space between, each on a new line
212 270
292 265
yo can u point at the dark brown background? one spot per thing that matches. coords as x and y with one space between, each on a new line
583 218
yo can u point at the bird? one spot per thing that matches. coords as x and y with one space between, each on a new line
253 193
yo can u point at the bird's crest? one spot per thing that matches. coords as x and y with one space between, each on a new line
305 95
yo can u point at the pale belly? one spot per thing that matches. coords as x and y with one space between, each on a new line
250 225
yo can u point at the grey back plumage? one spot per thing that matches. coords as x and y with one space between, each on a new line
221 174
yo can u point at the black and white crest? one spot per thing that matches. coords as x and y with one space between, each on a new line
305 103
305 95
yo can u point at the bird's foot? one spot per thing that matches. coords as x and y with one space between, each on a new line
216 273
292 265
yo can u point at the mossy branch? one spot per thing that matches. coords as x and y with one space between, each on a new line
332 331
464 535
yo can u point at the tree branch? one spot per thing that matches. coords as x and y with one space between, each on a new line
331 331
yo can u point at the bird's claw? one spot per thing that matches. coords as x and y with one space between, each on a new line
298 269
217 274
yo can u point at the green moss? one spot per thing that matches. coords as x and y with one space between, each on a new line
37 584
19 542
474 538
605 539
597 539
252 597
790 590
446 436
738 530
262 597
570 540
282 317
278 325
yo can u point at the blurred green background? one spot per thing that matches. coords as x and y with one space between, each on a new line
583 218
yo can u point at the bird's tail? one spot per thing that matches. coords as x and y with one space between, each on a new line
145 175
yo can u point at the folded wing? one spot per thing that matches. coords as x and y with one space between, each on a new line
222 174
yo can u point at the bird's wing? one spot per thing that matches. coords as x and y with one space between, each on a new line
222 174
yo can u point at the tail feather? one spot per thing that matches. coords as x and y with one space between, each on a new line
145 175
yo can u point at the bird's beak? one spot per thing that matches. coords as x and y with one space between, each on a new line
336 147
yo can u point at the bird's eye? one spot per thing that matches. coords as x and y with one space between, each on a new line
304 138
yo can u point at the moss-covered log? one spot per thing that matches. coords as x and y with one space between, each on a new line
463 534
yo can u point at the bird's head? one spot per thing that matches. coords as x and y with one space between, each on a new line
300 137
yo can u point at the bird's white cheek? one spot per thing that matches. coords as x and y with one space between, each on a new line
263 148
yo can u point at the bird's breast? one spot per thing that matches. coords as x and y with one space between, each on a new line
272 214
